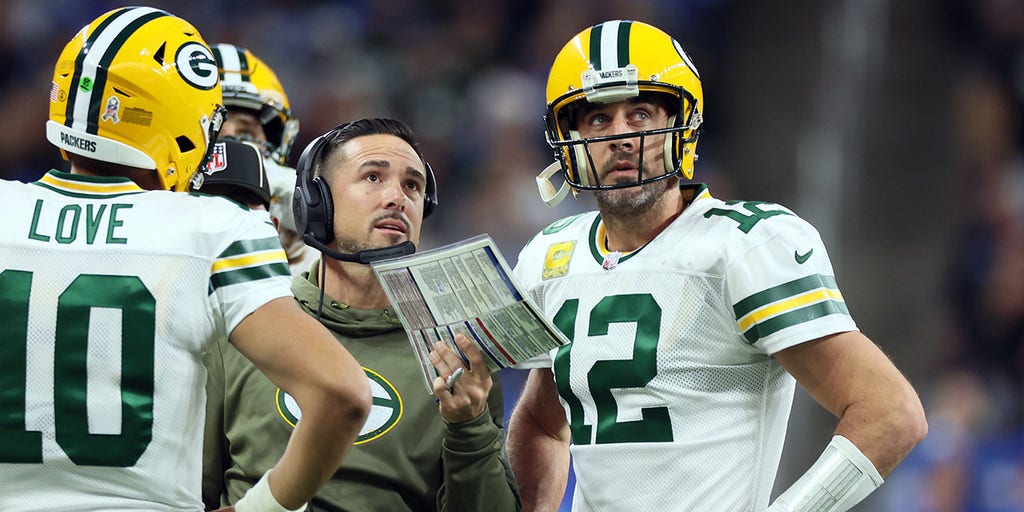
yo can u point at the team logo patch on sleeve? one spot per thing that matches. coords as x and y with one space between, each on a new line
556 263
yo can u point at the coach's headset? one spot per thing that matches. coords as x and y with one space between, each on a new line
313 207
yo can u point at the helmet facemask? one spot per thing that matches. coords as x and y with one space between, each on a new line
573 152
212 127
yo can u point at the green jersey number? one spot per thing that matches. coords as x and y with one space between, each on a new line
746 221
71 344
604 376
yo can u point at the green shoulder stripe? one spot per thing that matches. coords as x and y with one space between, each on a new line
798 316
783 291
243 275
249 246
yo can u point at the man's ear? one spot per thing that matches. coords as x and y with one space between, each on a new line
277 222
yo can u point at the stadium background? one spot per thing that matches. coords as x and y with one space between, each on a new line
894 127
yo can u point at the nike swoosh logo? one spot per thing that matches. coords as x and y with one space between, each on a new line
801 258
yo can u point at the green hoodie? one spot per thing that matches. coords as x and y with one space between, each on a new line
406 456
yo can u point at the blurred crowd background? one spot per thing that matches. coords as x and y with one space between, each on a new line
895 127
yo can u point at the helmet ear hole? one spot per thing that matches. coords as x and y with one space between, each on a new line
184 144
578 159
158 55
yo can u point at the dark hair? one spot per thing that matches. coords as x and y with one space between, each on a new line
360 128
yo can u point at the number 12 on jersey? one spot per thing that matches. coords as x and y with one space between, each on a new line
603 376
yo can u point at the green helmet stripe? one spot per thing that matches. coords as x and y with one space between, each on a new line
623 43
69 112
96 103
232 63
609 45
85 100
243 65
217 56
595 46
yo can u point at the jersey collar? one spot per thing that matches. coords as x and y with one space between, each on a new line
598 247
80 185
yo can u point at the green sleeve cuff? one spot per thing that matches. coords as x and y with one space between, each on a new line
475 435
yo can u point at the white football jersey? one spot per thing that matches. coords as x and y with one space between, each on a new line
282 190
109 296
281 180
672 396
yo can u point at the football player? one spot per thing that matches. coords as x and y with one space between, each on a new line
112 287
259 112
691 318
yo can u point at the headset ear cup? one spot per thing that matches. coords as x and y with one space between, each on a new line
312 205
308 207
430 195
578 160
321 213
672 156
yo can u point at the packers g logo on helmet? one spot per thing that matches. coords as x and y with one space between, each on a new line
249 83
616 61
137 87
196 65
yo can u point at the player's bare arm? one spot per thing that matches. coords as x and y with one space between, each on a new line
324 379
538 443
878 409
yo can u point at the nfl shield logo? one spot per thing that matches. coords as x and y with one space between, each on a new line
218 159
611 260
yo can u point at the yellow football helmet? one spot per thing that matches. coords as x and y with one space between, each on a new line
615 61
137 87
249 83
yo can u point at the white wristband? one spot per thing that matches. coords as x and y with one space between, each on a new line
260 499
838 480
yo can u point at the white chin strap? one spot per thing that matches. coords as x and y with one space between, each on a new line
547 189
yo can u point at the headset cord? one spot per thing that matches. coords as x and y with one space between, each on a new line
323 276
